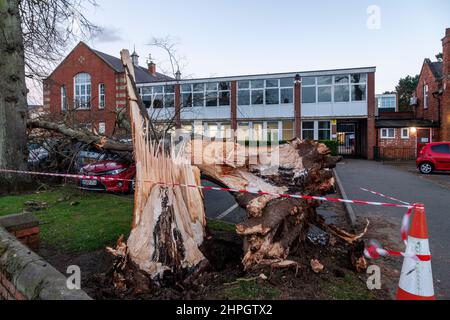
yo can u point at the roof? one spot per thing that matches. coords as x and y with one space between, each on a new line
142 74
406 123
436 68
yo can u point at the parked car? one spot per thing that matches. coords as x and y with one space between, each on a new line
434 157
122 172
38 155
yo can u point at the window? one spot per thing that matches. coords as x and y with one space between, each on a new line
101 96
441 148
341 88
63 98
388 133
324 89
265 92
158 96
309 90
211 94
324 130
101 128
425 96
405 133
358 87
288 130
82 88
316 130
387 103
308 130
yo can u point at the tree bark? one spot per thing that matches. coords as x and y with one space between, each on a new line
13 101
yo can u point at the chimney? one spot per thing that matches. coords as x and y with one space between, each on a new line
446 54
152 68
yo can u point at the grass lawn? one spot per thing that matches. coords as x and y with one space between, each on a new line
76 221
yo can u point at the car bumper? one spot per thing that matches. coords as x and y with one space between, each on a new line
116 186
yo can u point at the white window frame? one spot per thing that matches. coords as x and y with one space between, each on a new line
317 129
101 96
63 98
85 83
264 88
407 133
425 96
152 94
384 133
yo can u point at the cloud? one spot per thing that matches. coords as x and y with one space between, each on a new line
106 34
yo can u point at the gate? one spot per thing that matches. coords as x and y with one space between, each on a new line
346 137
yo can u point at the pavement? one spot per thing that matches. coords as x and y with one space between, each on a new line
403 182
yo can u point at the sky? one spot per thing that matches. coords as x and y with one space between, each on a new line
236 37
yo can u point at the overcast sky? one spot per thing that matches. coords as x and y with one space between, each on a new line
233 37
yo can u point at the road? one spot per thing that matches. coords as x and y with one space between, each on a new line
408 186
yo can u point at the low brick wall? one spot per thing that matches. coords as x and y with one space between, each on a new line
23 274
24 226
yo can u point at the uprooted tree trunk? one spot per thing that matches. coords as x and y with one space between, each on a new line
169 217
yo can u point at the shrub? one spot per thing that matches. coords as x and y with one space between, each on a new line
332 145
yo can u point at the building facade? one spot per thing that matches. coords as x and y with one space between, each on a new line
321 105
401 135
318 105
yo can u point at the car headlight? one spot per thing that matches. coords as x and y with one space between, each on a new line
114 172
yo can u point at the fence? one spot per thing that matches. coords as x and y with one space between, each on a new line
394 153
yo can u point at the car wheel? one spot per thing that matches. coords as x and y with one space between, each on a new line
426 168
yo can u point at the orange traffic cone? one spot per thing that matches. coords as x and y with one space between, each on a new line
416 279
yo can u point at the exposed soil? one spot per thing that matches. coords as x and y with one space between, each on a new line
225 279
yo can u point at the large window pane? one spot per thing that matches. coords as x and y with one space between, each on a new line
324 80
199 99
308 125
243 97
158 89
359 78
257 97
169 100
211 86
359 92
287 95
308 81
286 82
256 84
186 88
324 94
198 87
309 95
211 99
158 101
146 90
288 130
169 89
272 83
272 96
224 98
324 135
224 86
341 79
243 84
147 100
187 99
341 93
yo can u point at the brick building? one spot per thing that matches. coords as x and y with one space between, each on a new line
403 134
89 86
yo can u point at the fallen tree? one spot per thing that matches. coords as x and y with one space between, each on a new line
169 217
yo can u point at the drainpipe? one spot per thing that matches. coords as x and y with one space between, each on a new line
437 96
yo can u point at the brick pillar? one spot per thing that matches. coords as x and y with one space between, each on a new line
233 105
298 109
371 131
178 106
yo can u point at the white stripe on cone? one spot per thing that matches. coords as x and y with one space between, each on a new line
416 277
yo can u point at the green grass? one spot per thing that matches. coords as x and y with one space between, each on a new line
218 225
349 288
251 290
96 221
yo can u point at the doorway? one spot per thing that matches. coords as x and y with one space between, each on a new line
423 138
346 137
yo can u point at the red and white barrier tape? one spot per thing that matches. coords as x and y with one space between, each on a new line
385 196
293 196
373 252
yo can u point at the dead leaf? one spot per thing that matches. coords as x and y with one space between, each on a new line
316 266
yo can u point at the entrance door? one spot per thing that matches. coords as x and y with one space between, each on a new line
346 137
423 138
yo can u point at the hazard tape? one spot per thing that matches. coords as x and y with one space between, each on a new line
373 252
261 193
385 196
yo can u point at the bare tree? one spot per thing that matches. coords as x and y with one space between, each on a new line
33 37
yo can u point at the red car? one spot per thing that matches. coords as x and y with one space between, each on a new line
123 174
434 156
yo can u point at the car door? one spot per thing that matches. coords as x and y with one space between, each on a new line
441 155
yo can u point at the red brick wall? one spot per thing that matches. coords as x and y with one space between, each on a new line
432 113
371 131
445 99
398 148
83 59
